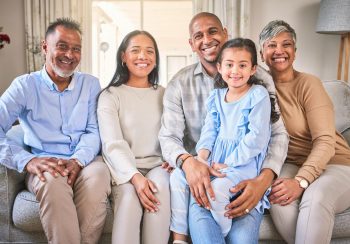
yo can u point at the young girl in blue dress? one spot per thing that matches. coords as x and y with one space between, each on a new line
234 138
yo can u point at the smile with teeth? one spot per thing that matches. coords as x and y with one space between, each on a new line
279 60
209 49
66 61
142 65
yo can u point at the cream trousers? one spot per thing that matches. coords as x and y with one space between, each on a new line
311 219
131 222
73 215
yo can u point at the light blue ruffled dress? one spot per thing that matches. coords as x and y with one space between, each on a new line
237 134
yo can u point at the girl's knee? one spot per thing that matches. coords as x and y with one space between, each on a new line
222 184
221 188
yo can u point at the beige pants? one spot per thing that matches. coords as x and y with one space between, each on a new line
73 215
311 219
129 215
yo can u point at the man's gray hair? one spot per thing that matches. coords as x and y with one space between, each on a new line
66 23
274 28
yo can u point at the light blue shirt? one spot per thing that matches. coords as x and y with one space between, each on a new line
55 124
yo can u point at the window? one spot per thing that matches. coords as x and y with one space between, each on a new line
166 20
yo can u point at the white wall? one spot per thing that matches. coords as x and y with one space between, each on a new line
12 56
316 53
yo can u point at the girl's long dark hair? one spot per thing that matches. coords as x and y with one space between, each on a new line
121 74
248 45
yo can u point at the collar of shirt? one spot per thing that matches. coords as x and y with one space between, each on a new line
199 69
51 85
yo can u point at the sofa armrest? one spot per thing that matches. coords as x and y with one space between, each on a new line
11 182
339 92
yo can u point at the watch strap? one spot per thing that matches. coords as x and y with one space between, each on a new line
181 159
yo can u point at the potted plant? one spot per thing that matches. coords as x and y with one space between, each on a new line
4 38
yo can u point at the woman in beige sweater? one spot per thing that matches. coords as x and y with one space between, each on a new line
314 183
129 112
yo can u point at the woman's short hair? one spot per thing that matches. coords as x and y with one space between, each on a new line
274 28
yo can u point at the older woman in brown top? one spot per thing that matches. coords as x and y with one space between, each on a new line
314 183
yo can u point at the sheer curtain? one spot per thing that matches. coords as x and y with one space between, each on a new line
234 14
38 15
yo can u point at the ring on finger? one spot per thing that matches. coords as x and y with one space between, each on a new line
246 211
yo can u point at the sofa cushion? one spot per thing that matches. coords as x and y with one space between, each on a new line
341 227
25 213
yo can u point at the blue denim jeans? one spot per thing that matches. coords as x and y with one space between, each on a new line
205 230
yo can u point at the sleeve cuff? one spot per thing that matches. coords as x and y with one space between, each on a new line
303 173
24 161
127 177
274 165
84 158
78 162
174 155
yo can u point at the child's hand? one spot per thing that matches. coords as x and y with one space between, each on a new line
218 166
168 168
203 155
202 160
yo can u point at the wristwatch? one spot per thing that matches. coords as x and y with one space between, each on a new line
302 182
181 159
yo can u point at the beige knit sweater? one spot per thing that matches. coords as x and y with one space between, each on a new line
309 119
129 122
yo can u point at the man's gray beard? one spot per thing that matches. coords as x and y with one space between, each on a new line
60 73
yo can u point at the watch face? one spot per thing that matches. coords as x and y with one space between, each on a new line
304 184
179 162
